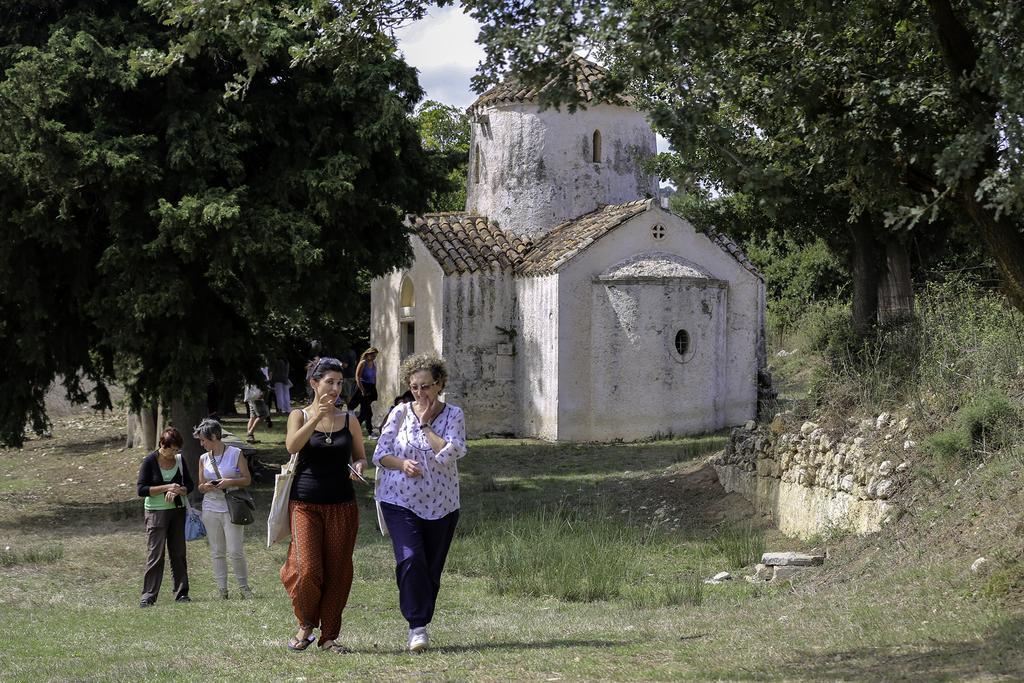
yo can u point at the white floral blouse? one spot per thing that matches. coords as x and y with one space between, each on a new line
436 493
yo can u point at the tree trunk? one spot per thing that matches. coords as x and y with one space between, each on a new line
132 428
185 416
865 271
1004 241
143 433
895 288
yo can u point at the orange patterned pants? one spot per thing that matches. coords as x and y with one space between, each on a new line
318 571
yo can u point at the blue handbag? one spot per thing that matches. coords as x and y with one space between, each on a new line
194 527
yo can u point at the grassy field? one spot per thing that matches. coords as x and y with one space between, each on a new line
573 562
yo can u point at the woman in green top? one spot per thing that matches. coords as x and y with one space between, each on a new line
163 481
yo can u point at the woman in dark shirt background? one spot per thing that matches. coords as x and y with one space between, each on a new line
324 518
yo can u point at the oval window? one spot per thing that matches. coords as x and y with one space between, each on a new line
682 342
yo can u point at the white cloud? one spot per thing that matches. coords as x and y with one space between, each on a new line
442 46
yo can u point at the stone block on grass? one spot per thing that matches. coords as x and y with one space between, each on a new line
792 559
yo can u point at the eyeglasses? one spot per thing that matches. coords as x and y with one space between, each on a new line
420 387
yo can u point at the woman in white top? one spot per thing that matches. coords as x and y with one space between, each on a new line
225 538
416 458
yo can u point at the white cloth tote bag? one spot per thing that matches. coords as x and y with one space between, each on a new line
279 525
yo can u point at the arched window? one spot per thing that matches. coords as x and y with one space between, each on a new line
597 147
408 296
476 164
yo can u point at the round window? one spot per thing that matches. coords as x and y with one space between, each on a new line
682 343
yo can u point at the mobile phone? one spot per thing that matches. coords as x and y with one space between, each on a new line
213 482
354 471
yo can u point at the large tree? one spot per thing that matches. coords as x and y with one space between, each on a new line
896 113
445 132
180 179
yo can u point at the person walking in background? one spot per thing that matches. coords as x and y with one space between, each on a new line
348 376
163 481
225 538
282 385
416 457
324 517
366 388
258 410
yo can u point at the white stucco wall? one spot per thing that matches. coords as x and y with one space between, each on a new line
480 358
743 299
426 276
537 356
536 168
646 387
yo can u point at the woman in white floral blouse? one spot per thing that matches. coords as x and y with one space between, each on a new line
416 457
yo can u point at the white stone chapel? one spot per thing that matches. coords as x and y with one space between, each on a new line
568 305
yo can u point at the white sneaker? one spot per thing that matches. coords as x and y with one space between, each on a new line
418 639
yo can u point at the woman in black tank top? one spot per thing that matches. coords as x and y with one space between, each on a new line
324 518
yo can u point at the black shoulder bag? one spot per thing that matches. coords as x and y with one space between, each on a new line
241 506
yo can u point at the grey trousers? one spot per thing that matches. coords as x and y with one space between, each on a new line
165 528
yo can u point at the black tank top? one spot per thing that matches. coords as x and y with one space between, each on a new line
321 475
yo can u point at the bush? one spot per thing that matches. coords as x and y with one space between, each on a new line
966 341
948 447
824 326
989 421
972 341
796 276
872 373
1005 582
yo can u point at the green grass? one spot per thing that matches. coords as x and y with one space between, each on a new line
10 557
638 609
558 553
740 546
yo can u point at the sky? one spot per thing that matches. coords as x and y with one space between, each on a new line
443 47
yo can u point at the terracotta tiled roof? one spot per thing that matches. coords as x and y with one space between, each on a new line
569 239
462 243
466 244
586 71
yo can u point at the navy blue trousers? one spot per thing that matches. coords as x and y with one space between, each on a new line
421 548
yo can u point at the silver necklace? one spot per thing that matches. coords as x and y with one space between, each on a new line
327 439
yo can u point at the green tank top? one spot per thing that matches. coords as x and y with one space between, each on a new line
158 502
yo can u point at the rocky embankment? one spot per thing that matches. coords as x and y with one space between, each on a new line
812 479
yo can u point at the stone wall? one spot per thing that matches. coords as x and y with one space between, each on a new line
813 479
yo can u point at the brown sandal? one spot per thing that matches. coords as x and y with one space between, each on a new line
295 644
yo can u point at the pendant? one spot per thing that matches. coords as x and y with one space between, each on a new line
327 440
